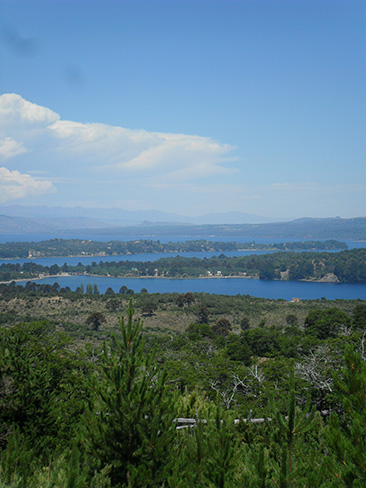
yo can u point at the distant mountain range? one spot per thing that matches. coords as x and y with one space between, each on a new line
60 221
52 218
330 228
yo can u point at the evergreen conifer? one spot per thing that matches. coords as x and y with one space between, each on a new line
130 424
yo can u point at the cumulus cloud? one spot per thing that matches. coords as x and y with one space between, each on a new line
92 161
14 184
180 156
19 114
103 147
10 148
151 154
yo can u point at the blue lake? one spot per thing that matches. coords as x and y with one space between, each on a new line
226 286
112 237
126 257
155 256
230 286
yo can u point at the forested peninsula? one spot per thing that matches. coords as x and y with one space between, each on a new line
79 247
345 267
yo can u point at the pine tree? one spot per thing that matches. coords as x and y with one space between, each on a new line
41 393
255 472
292 426
347 432
223 448
207 454
95 319
89 289
196 454
130 424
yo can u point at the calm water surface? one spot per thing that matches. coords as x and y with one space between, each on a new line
230 286
155 256
126 257
103 238
227 286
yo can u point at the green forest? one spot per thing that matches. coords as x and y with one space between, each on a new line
179 390
347 266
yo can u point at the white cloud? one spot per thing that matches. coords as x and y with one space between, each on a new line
61 146
179 157
151 154
19 114
98 162
14 185
10 148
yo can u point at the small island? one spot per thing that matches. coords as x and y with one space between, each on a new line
347 266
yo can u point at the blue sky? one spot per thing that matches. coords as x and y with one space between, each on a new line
185 106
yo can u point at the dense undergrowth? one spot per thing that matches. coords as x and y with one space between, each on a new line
99 412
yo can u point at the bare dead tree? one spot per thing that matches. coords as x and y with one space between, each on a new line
256 374
314 369
362 347
345 330
228 395
249 385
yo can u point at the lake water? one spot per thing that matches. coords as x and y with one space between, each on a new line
110 237
226 286
155 256
126 257
229 286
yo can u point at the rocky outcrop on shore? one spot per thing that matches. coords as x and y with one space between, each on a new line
329 278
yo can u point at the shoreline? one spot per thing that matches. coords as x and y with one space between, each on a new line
66 275
142 253
19 280
170 252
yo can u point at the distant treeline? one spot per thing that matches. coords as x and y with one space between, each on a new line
79 247
345 266
31 288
